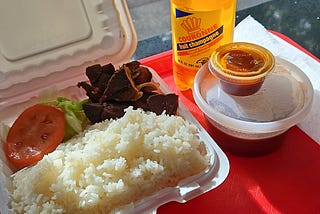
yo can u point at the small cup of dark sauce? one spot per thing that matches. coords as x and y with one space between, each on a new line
241 67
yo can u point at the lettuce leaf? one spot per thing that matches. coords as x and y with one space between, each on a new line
76 119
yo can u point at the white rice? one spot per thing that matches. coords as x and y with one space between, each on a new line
111 164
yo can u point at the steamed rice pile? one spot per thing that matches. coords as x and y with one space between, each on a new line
111 164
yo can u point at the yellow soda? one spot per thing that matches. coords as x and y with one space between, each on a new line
198 28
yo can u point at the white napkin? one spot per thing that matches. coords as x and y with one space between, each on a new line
250 30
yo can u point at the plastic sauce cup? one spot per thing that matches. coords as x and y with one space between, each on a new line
241 67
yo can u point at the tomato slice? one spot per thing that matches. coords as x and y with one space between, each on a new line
36 132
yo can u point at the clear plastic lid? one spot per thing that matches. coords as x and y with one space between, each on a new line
283 101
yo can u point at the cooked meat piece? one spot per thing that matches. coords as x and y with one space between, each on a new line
142 102
99 75
111 91
132 65
93 93
163 102
93 111
121 87
141 75
97 112
93 73
113 110
148 87
107 72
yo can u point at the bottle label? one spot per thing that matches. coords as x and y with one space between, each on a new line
195 35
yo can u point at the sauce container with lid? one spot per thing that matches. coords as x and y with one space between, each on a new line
241 67
254 125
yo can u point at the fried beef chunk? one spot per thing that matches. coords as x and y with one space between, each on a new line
163 102
121 87
111 91
96 112
99 77
93 93
142 102
139 73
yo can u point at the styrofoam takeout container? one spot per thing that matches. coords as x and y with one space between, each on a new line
49 57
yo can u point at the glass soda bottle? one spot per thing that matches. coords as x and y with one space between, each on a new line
198 28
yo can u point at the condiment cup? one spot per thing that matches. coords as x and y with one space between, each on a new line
241 67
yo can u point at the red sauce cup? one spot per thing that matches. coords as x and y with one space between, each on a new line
241 67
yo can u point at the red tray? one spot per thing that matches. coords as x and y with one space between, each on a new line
284 181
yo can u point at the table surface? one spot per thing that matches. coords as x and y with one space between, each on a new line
284 181
297 19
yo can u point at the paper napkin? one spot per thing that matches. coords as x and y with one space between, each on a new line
250 30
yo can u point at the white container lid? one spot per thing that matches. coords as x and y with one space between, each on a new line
51 42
